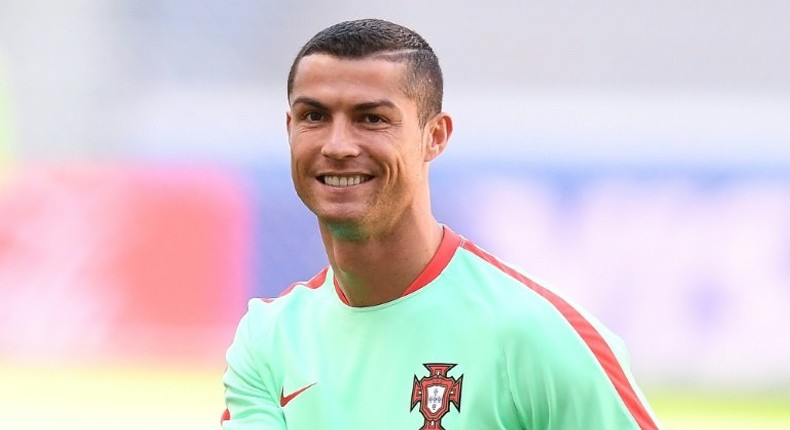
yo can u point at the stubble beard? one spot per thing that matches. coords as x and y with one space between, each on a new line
376 218
353 226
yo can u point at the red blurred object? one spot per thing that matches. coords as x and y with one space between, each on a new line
129 262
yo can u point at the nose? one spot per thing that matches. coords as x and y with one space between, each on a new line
340 143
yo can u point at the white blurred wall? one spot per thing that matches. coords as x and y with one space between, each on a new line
145 78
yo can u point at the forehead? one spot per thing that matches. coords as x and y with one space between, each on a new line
321 76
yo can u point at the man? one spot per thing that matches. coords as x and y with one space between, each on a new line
411 326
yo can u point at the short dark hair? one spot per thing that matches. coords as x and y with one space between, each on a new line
367 38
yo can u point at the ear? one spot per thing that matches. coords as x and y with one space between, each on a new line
437 134
288 125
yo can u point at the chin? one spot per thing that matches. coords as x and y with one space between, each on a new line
338 219
340 213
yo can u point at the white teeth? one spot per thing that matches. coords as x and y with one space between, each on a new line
343 181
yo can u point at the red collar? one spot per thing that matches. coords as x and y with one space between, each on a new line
450 242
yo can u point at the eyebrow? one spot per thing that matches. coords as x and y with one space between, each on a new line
309 101
374 104
361 107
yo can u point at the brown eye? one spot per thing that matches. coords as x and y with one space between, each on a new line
373 119
313 116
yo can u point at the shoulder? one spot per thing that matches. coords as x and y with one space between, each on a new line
501 280
299 290
523 301
298 294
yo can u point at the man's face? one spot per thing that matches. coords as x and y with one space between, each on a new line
357 149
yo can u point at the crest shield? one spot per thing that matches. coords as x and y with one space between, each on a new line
435 394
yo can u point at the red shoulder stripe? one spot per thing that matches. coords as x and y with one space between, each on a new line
314 282
603 353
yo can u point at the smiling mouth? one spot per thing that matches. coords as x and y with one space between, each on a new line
344 181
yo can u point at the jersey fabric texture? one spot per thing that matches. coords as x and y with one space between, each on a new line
473 344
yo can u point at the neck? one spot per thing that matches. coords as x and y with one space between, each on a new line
376 269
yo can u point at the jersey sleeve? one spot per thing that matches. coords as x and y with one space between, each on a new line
575 374
250 400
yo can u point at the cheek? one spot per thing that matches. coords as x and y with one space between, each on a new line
299 163
300 150
306 141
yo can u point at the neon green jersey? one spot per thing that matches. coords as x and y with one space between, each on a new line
472 345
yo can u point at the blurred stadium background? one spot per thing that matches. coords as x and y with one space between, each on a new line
635 154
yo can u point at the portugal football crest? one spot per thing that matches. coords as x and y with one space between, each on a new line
435 393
